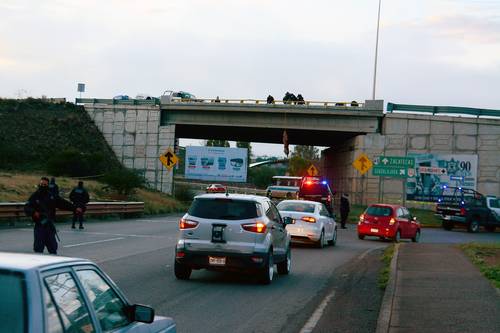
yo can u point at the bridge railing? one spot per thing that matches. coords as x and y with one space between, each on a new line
256 102
439 110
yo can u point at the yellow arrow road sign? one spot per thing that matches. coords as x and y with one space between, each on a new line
312 171
362 163
168 159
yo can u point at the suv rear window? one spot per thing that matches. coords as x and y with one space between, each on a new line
12 303
379 211
224 209
296 207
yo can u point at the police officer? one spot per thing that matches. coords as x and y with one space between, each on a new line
344 209
79 197
41 206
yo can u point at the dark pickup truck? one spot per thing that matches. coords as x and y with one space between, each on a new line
465 207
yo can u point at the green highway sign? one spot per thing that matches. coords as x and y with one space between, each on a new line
395 161
394 166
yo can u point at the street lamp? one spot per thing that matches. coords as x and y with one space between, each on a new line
376 51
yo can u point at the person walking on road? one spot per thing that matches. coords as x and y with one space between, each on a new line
79 197
53 188
344 209
41 206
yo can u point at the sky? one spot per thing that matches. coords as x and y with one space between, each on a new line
433 52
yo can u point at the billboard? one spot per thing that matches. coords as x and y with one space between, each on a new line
216 163
432 171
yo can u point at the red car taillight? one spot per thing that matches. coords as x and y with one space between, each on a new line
257 227
308 219
463 212
392 221
187 224
362 218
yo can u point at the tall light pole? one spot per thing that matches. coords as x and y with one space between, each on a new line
376 51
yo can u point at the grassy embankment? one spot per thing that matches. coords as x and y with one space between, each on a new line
487 258
17 187
385 272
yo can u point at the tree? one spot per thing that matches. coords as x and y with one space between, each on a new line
247 145
217 143
310 153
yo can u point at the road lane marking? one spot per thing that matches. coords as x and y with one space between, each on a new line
316 316
109 234
94 242
364 254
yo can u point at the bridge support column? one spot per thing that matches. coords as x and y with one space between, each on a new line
135 135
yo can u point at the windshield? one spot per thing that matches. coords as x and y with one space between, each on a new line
223 209
296 207
379 211
12 302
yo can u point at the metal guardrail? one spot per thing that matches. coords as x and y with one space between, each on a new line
201 187
256 102
16 209
437 110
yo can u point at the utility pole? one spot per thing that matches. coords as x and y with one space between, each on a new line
376 51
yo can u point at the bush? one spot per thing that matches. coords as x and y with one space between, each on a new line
123 180
183 193
72 163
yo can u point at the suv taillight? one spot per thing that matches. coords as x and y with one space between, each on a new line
308 219
463 212
257 227
187 224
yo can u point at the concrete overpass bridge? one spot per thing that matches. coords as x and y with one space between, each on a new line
139 131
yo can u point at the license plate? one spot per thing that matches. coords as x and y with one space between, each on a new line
373 230
217 261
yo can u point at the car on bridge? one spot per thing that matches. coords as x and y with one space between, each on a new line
233 232
170 96
42 293
388 222
312 222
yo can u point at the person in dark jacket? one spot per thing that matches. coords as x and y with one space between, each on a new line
270 99
344 209
41 206
79 197
300 100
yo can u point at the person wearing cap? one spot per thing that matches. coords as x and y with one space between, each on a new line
79 197
344 209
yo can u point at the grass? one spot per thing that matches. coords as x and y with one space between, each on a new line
425 217
487 258
385 272
17 187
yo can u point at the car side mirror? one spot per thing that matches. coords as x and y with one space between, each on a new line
287 220
142 313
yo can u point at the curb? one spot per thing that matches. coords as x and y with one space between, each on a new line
384 316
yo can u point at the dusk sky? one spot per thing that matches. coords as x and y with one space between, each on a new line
435 52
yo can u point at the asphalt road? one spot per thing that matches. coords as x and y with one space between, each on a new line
138 255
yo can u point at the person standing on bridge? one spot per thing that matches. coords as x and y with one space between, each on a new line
270 99
300 100
344 209
79 197
41 206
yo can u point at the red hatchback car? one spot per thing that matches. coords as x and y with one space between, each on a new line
216 188
388 221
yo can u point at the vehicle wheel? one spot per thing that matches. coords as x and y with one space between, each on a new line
333 241
473 226
361 237
417 237
490 228
321 242
285 266
182 272
266 273
397 238
447 225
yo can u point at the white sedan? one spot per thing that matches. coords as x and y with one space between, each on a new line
41 293
312 222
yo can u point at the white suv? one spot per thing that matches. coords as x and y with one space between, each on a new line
233 232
